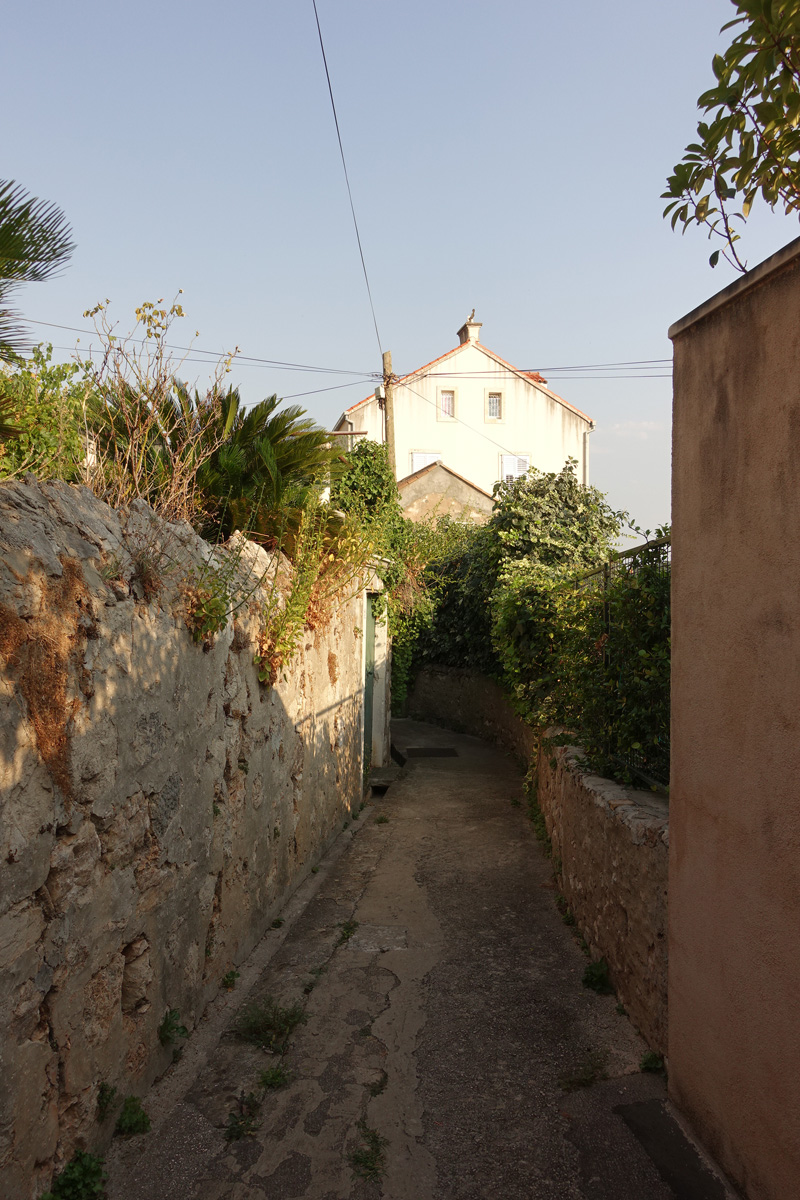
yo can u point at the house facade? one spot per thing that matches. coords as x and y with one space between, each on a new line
480 416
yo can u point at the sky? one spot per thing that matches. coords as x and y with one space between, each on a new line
507 157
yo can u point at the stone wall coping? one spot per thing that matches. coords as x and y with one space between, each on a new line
645 814
784 257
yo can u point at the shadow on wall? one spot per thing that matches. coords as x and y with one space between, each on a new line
158 806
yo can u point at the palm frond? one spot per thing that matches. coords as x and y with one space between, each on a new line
35 242
35 238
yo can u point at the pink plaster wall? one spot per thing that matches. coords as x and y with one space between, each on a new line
734 881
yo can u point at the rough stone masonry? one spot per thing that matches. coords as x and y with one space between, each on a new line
157 803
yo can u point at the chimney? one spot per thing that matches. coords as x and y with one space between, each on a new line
470 331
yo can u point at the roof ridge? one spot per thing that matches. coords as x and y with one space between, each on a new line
528 376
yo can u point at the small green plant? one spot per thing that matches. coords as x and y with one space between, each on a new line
82 1179
589 1072
111 570
346 823
567 915
170 1028
652 1063
274 1077
132 1118
516 802
267 1024
229 980
539 824
347 929
596 977
308 987
314 870
106 1096
206 611
242 1122
622 1010
379 1084
368 1161
276 924
382 819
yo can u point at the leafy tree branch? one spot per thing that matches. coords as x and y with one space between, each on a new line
750 144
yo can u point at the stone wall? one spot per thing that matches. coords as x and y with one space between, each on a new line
611 850
157 803
610 843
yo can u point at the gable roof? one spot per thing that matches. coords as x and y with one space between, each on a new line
415 475
527 377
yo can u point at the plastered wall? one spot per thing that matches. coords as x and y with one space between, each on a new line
734 950
157 804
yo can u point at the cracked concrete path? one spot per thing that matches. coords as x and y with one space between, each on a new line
452 1023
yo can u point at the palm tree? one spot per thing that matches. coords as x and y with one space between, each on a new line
34 244
267 463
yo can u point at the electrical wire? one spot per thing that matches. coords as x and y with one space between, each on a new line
459 420
346 176
248 358
366 375
292 396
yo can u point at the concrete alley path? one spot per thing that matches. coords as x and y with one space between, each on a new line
451 1022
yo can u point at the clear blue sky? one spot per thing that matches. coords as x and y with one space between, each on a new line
508 156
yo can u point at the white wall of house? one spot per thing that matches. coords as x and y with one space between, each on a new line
446 413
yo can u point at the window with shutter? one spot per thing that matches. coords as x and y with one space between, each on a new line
424 458
513 466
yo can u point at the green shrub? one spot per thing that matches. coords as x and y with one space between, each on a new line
596 977
82 1179
652 1063
47 407
268 1024
106 1098
132 1118
274 1077
171 1028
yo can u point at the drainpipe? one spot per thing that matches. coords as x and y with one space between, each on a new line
585 472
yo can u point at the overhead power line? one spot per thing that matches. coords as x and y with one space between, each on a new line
214 354
460 421
283 365
346 176
291 396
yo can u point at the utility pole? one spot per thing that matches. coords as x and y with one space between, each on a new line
388 386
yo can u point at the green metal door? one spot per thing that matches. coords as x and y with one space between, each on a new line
369 682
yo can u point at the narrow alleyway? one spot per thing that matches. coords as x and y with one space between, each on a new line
449 1050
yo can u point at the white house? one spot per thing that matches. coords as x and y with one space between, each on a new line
483 418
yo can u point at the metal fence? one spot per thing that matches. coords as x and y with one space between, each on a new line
656 554
649 765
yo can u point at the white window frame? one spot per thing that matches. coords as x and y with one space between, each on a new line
494 391
518 472
432 456
443 416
